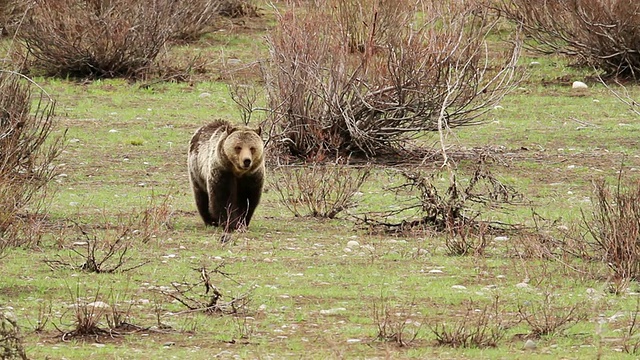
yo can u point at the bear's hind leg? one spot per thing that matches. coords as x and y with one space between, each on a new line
202 203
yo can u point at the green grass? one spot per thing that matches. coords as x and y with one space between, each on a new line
549 144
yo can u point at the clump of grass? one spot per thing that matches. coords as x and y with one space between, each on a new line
136 142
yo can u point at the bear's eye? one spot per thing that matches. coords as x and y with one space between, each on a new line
252 149
238 148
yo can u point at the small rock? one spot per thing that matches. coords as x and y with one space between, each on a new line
534 63
353 341
501 238
332 311
204 95
522 285
73 141
530 345
353 244
98 345
369 248
168 344
459 287
579 85
113 131
435 271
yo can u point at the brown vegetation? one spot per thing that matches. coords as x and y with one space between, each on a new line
599 32
27 153
359 77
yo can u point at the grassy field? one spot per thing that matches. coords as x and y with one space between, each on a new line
300 287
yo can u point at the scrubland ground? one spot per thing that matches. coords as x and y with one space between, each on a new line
300 287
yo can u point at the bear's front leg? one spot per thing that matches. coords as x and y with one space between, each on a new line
221 189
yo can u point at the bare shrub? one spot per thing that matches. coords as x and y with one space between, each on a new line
477 328
319 190
11 15
27 155
92 317
614 228
454 211
104 254
11 341
237 8
210 299
631 338
365 77
547 316
396 323
196 18
600 32
107 38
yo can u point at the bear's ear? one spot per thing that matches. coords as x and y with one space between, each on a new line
229 129
258 130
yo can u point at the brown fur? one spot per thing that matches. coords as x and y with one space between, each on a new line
226 170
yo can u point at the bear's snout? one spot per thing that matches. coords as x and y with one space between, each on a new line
247 163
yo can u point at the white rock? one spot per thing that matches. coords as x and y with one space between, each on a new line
522 285
204 95
579 85
369 248
501 238
113 131
74 141
435 271
353 341
530 345
348 250
459 287
332 311
534 63
353 244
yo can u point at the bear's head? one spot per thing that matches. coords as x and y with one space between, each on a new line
243 148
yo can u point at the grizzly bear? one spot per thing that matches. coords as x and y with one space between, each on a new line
226 170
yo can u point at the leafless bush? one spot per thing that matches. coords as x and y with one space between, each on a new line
210 301
319 190
365 77
107 38
478 328
11 15
94 318
455 212
27 153
105 254
600 32
396 323
11 342
631 341
614 227
547 317
196 18
237 8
